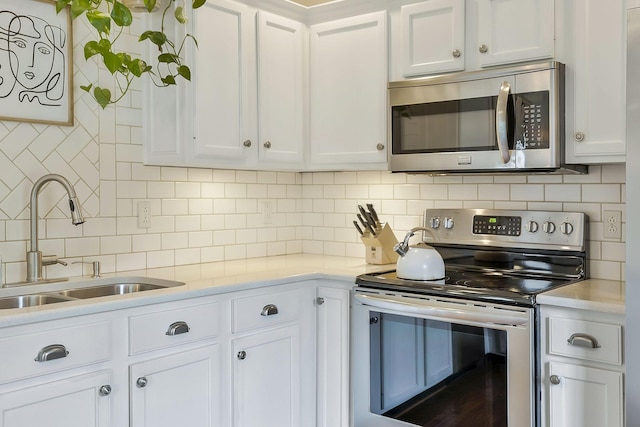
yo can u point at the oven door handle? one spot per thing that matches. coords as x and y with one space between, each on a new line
469 314
501 121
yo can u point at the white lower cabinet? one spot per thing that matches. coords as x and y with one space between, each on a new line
75 401
180 389
242 359
582 368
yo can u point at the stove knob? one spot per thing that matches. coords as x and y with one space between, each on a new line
448 223
548 227
532 226
566 228
435 222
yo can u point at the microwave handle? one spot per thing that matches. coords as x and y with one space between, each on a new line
501 121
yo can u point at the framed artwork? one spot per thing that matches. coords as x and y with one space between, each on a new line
36 68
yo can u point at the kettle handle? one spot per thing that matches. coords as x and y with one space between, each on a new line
402 247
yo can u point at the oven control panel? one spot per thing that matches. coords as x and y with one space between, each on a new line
511 228
497 225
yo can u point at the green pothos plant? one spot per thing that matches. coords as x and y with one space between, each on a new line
109 18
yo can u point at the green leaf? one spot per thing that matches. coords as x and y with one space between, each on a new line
150 4
104 45
121 14
102 96
185 72
78 7
100 21
168 58
169 80
112 61
61 4
197 3
138 66
156 37
86 88
91 48
181 17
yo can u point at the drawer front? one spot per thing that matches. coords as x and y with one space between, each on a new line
33 354
576 338
167 328
265 310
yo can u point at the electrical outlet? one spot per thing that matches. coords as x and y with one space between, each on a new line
144 214
266 212
612 224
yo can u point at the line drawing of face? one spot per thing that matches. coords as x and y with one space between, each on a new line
35 58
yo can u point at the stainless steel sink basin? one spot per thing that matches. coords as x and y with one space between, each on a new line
110 289
22 301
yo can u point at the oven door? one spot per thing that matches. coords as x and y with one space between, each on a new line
427 361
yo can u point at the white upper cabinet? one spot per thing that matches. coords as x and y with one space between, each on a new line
224 120
515 30
348 89
432 37
596 85
280 90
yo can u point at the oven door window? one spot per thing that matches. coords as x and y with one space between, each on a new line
434 373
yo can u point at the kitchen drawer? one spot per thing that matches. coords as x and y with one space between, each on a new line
264 310
58 349
608 337
173 326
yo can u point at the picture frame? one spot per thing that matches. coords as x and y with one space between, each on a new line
36 62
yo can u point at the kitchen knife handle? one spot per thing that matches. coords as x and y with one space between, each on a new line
367 216
367 225
374 214
358 227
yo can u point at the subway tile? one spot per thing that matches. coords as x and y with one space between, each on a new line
187 189
175 241
562 192
601 193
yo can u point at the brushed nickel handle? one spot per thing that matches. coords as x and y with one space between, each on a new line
269 310
502 124
456 53
104 390
247 143
554 379
142 382
380 147
319 300
267 144
177 328
583 340
242 355
483 48
578 136
51 352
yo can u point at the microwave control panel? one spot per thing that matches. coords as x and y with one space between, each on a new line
532 118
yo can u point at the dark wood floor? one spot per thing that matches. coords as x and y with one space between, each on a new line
476 398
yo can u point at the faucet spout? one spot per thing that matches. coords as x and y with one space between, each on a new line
34 256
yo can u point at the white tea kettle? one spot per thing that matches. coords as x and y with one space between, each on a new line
420 262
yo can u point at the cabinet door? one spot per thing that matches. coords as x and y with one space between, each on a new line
224 86
69 402
424 23
280 91
333 357
596 82
515 30
177 390
348 90
266 379
585 397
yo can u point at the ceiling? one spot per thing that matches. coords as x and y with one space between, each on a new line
309 3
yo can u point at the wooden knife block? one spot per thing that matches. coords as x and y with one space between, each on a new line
380 247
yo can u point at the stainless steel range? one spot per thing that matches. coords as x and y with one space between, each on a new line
462 351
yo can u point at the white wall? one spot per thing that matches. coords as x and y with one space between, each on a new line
202 215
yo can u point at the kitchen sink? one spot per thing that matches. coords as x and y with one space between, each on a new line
54 293
22 301
110 289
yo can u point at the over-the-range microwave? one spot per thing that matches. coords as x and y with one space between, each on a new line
492 121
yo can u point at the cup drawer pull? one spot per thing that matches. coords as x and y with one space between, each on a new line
583 340
51 352
269 310
177 328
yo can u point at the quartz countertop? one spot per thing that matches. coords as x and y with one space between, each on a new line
592 294
229 276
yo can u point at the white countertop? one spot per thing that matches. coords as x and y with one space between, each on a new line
228 276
